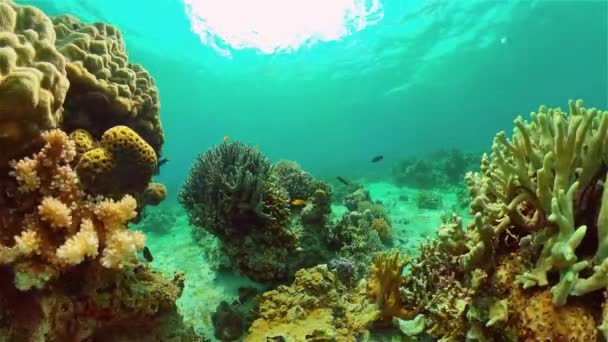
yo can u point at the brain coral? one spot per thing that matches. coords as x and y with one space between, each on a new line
124 163
106 90
33 82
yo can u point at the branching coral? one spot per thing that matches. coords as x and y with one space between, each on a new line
48 220
548 179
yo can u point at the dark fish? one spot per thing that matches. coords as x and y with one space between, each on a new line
343 181
377 158
147 254
160 163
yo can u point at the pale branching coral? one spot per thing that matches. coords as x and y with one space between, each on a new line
120 246
55 212
51 216
27 243
115 214
80 245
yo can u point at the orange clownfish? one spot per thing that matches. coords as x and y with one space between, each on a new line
298 202
226 138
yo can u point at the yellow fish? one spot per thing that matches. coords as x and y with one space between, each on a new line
226 138
298 202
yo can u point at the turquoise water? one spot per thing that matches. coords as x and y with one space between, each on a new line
399 79
428 75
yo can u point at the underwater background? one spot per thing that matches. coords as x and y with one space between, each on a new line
423 75
405 80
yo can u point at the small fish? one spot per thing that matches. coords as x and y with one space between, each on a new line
298 202
343 180
160 163
226 138
147 254
377 158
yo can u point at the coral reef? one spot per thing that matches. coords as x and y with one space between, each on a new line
440 169
428 200
105 89
229 193
94 303
289 176
68 267
383 284
534 251
33 81
316 307
48 221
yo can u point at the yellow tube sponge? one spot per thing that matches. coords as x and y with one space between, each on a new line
33 81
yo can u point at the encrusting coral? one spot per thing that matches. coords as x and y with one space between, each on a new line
316 307
50 224
33 82
105 89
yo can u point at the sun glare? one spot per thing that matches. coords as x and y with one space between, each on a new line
272 26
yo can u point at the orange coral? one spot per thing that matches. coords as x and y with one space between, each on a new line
53 223
383 285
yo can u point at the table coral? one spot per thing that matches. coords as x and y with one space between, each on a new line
105 89
48 220
33 82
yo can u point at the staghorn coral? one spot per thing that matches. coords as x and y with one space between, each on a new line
48 222
105 89
122 164
315 307
33 82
